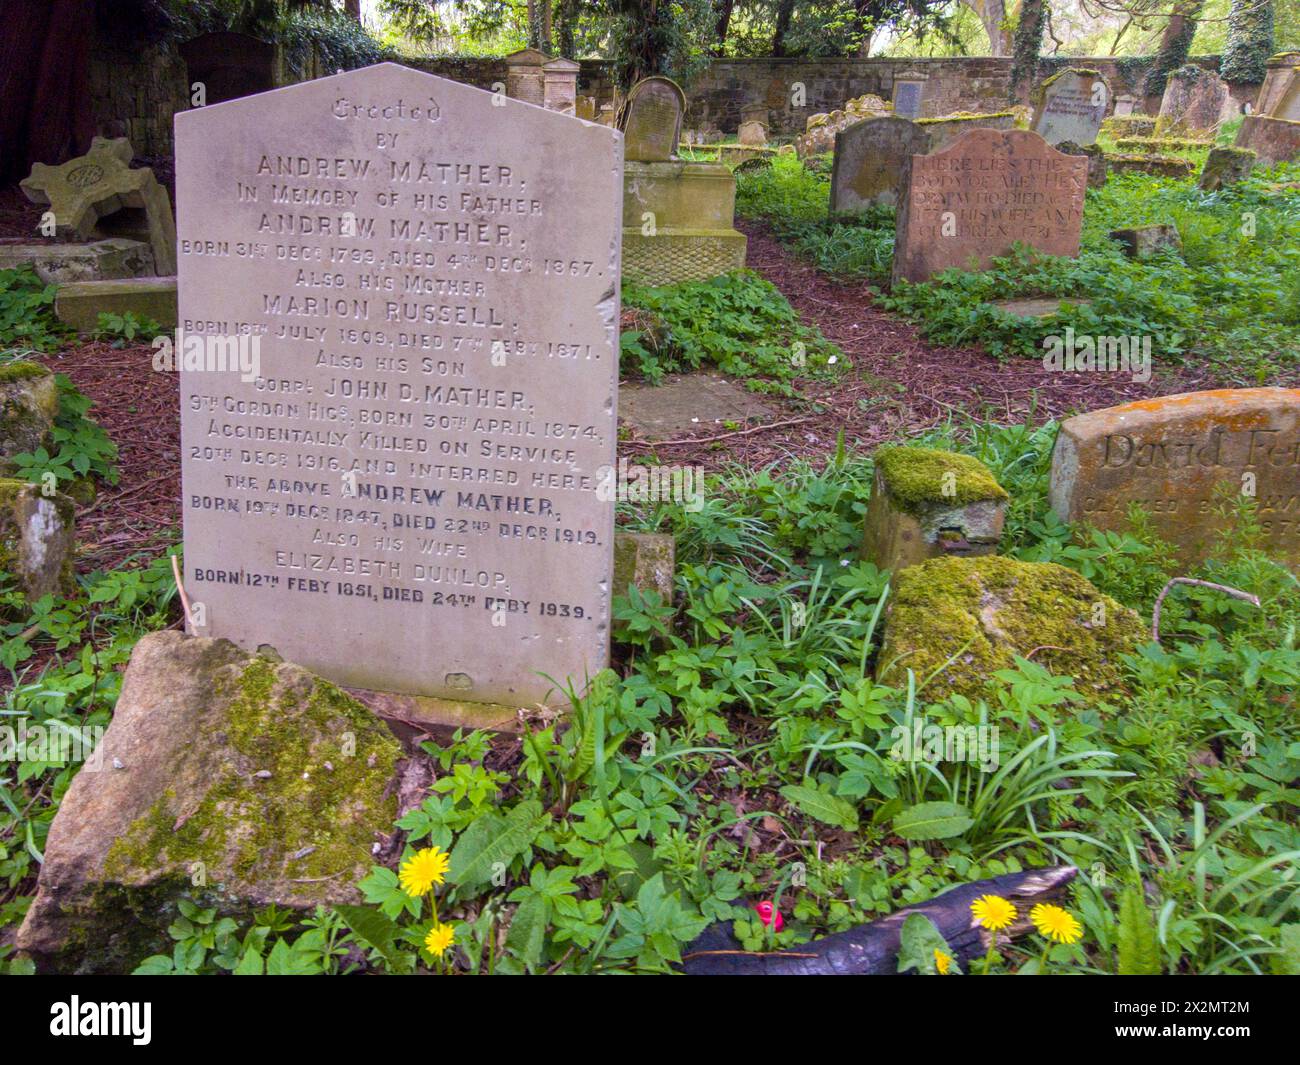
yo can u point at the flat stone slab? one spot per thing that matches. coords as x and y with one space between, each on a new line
687 403
1038 307
100 260
81 303
1181 457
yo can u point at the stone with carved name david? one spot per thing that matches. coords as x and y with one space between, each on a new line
1184 460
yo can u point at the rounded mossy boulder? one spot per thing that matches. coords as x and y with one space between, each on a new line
917 477
29 402
983 612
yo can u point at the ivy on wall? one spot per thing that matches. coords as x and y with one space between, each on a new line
1250 41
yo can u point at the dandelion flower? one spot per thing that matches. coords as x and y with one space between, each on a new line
1055 923
942 962
440 937
993 912
422 870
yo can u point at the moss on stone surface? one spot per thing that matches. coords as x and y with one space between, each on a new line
915 476
982 612
285 785
21 370
964 116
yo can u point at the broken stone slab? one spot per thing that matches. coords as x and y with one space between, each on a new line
1143 241
1097 166
1184 459
1226 166
100 260
99 195
1040 307
37 538
81 303
982 613
29 403
927 503
230 779
645 561
1156 165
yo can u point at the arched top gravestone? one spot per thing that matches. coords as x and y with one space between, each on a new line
968 203
1070 106
652 120
869 161
398 487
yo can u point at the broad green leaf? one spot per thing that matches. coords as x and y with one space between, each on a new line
490 840
933 820
822 805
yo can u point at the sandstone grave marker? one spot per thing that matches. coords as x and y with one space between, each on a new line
869 161
402 493
652 123
971 201
1171 455
1070 106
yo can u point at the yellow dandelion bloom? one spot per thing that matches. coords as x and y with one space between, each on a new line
422 870
440 937
942 962
1055 923
993 912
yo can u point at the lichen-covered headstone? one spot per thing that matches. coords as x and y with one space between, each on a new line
29 402
959 620
1070 106
926 503
652 121
752 133
971 201
1184 459
869 161
1195 100
232 780
84 195
37 538
946 129
1226 166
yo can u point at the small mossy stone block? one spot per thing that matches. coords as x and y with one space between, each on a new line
646 561
80 304
927 504
1226 166
1171 166
1098 169
37 538
227 778
962 619
29 402
1141 242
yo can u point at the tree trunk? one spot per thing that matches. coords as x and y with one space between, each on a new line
352 8
992 13
1027 42
784 12
724 9
44 105
1175 44
1250 42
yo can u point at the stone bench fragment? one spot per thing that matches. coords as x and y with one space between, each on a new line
926 504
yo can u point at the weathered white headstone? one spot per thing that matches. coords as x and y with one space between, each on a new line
1070 105
404 495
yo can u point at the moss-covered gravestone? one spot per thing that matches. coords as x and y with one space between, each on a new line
37 538
1226 166
928 503
29 401
958 620
230 779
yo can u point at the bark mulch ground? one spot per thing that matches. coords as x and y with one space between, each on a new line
899 384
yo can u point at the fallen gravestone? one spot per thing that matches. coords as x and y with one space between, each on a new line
1070 106
869 161
99 195
970 202
402 411
959 620
99 260
652 120
1183 459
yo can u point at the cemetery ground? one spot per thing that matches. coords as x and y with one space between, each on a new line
739 758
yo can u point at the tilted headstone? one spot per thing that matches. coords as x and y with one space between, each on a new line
1070 106
1195 100
87 195
908 95
971 201
869 161
1184 459
406 489
1288 106
652 120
